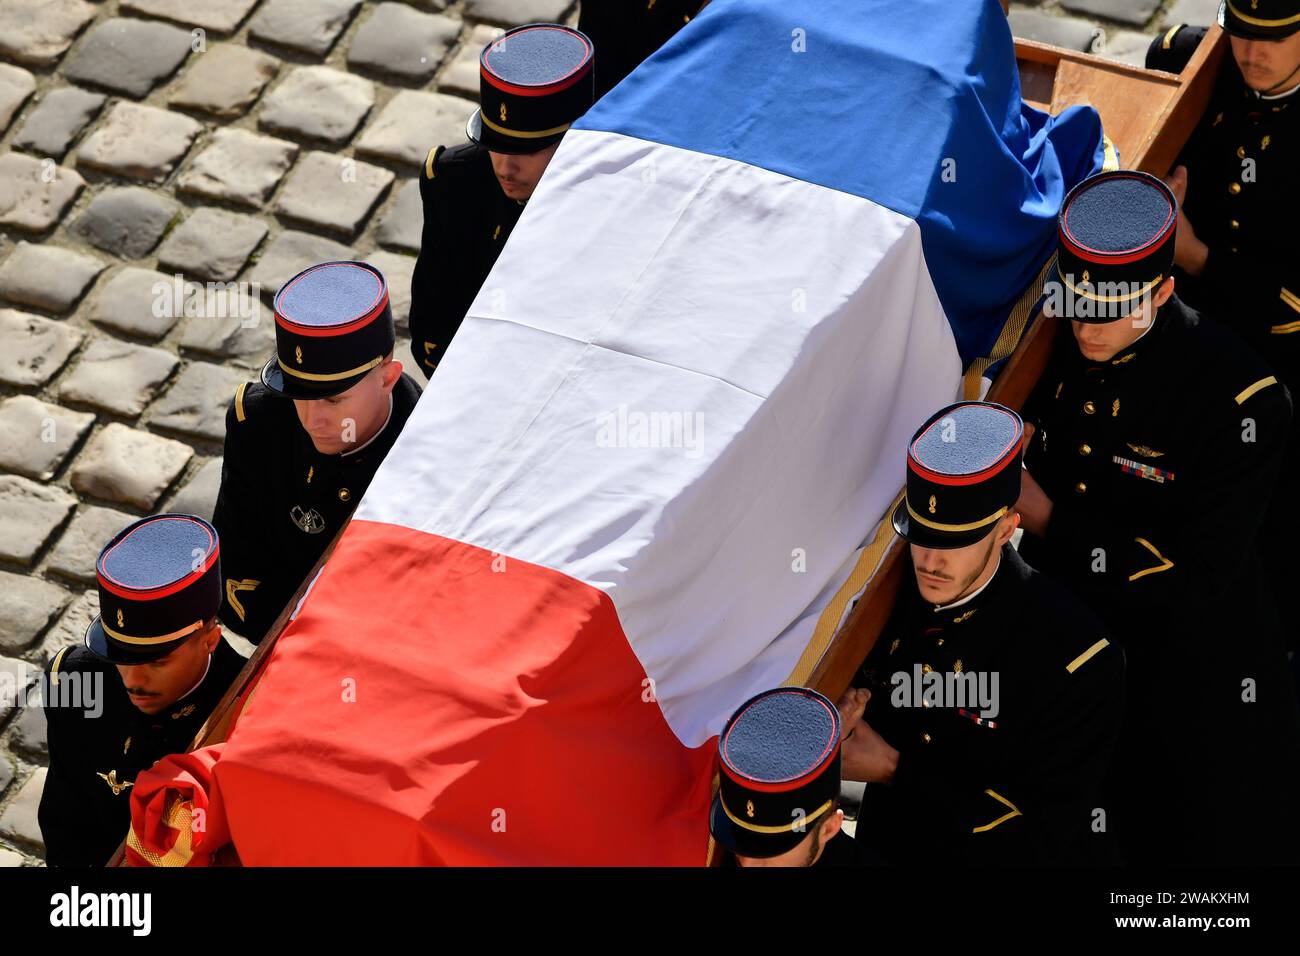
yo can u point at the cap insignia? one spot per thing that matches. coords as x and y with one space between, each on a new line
933 504
120 622
297 353
749 809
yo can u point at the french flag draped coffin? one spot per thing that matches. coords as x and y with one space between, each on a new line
649 475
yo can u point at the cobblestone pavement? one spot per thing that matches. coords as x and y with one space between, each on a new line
217 140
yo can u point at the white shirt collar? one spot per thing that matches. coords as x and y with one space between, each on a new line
976 593
382 428
207 667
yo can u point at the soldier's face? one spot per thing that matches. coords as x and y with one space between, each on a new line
155 686
1102 341
1266 64
944 575
520 174
809 849
351 418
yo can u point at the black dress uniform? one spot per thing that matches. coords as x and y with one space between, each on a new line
534 82
145 575
1159 462
1013 783
1243 196
626 32
779 777
467 220
281 501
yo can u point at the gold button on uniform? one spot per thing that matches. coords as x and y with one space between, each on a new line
926 669
926 737
1089 408
1234 188
1241 152
1085 450
344 495
1081 487
1234 225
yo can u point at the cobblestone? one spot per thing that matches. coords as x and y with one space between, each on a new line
57 119
29 515
311 26
219 16
35 348
117 376
16 84
402 225
30 200
36 437
127 221
40 31
137 302
139 142
74 556
128 56
289 253
238 166
412 123
317 102
512 13
462 73
18 822
211 244
332 192
47 277
196 403
225 81
128 466
27 605
231 324
399 40
70 629
199 497
397 270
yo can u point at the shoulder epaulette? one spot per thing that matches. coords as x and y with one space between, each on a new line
431 160
1087 655
1255 388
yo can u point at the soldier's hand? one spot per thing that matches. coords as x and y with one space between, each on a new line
867 756
1189 252
851 707
1034 506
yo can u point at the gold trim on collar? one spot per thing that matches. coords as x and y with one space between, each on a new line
428 161
1109 298
1164 565
969 526
1015 812
523 134
1086 656
1256 21
330 376
159 639
239 401
1290 298
1286 328
1259 386
783 828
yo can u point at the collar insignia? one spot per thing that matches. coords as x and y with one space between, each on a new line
110 778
